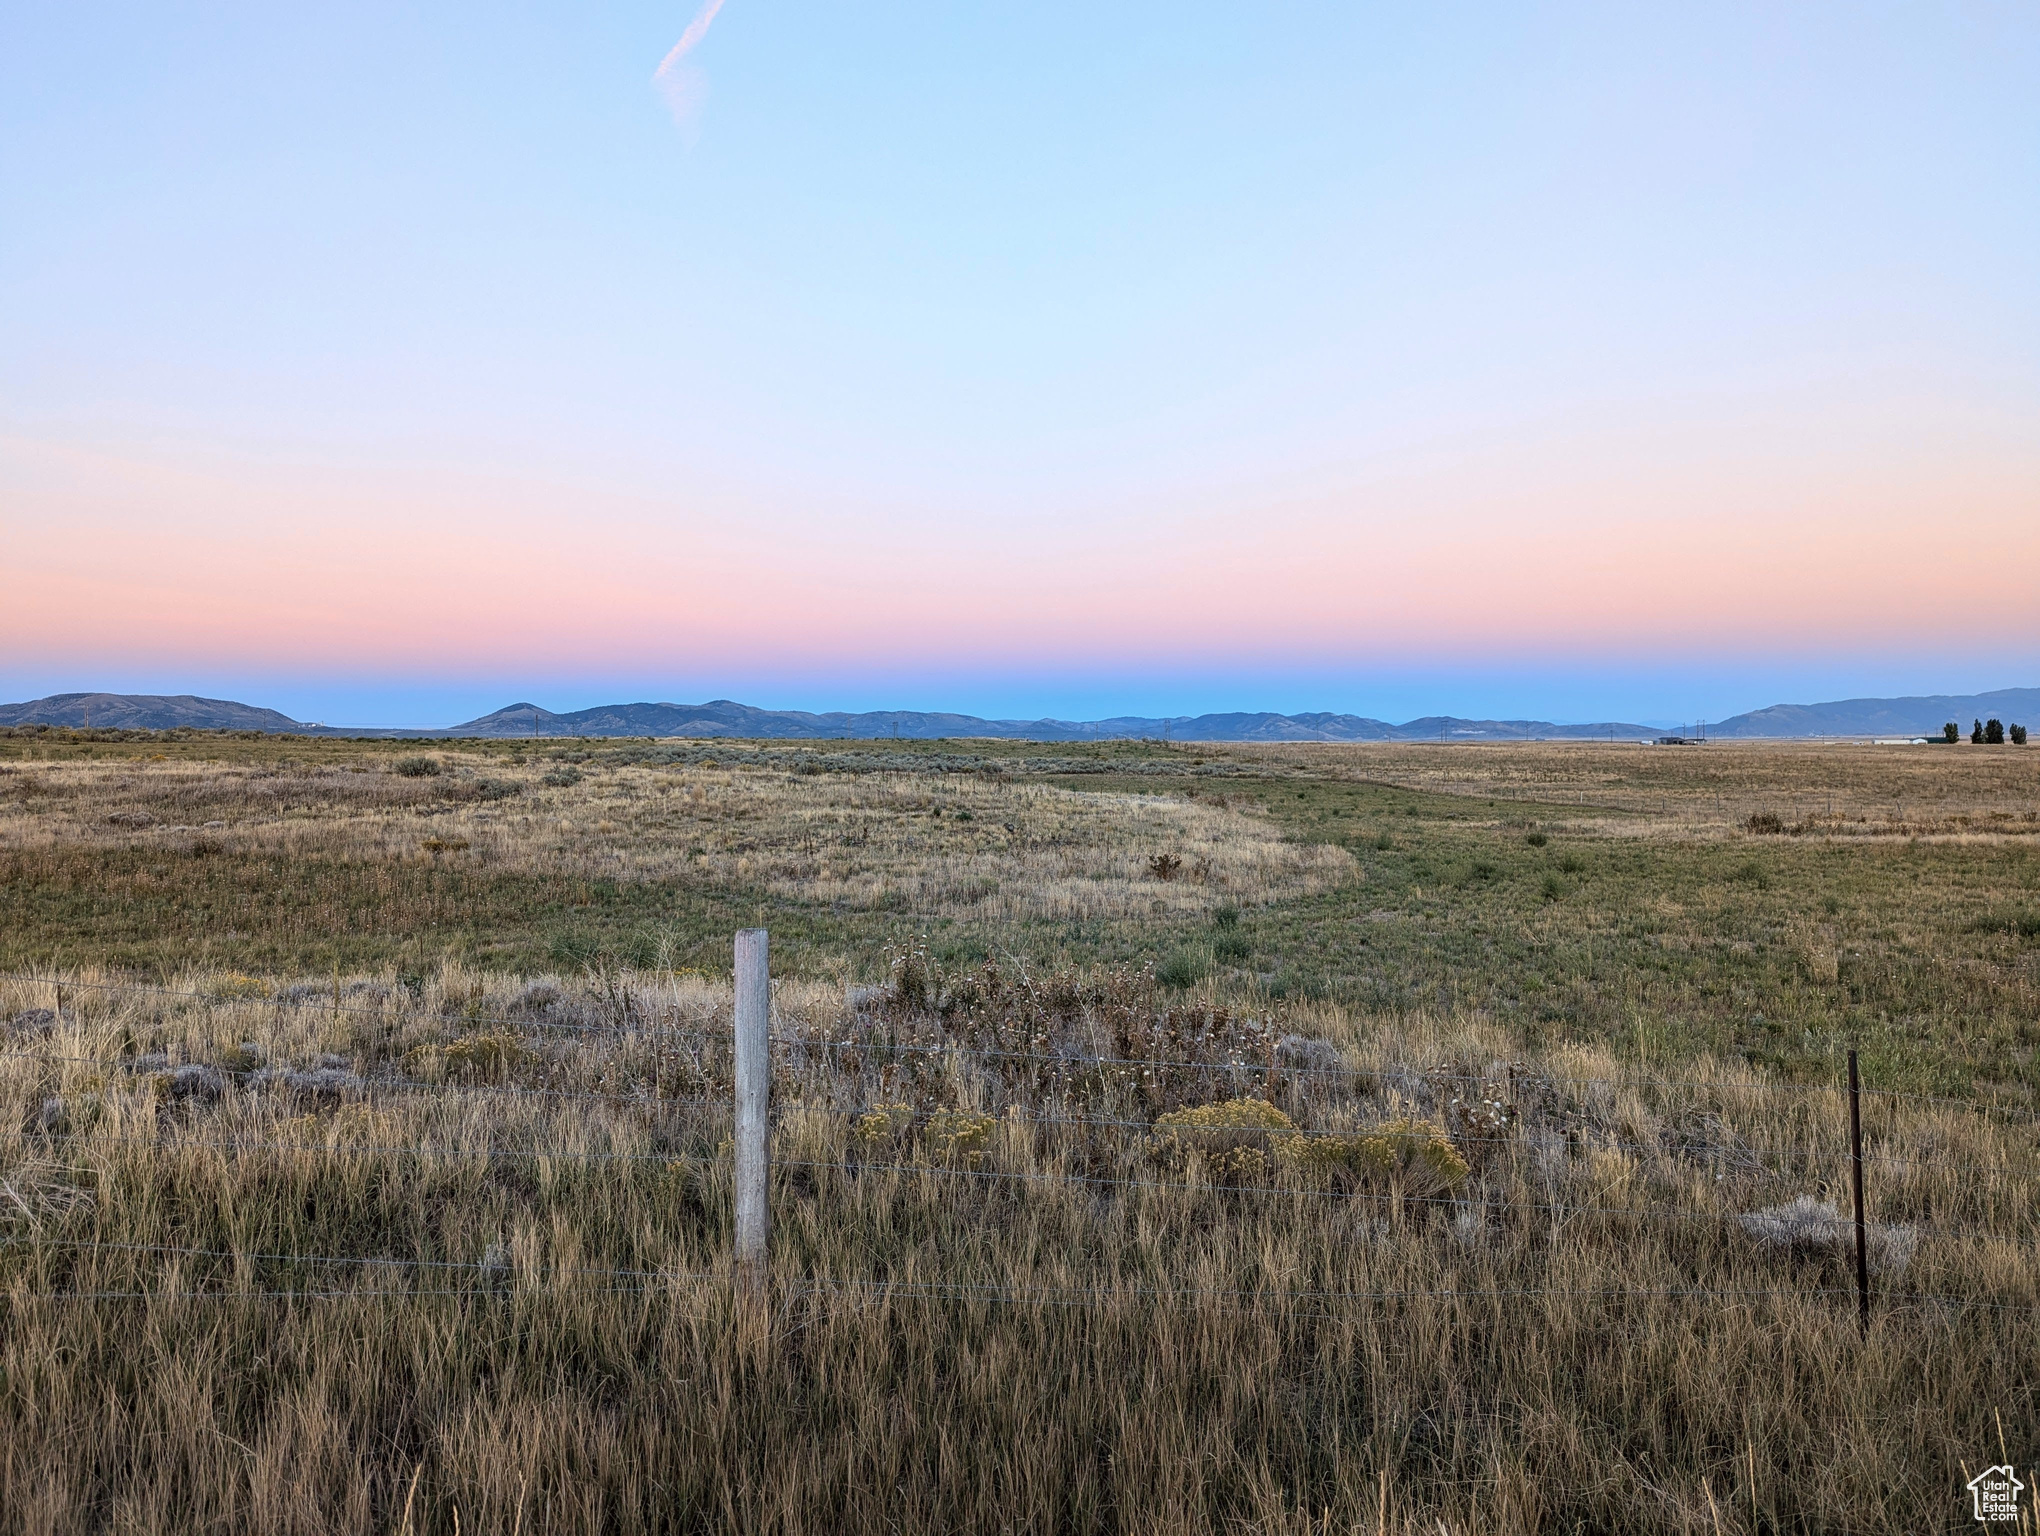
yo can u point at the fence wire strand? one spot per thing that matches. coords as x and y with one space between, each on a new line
629 1029
498 1279
679 1157
505 1285
370 1086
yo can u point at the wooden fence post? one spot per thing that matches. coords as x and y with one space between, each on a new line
753 1079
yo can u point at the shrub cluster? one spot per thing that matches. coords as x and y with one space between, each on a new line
1115 1033
945 1136
1247 1138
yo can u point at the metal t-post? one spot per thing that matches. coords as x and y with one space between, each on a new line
753 1076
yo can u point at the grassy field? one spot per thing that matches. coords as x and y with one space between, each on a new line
1611 893
1502 1046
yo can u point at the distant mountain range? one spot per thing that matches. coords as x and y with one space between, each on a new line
725 718
1917 716
722 717
1920 715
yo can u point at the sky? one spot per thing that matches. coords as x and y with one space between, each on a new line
384 364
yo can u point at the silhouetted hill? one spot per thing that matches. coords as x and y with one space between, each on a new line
1921 715
145 712
724 717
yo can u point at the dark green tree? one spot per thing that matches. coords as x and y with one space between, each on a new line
1951 732
1994 731
1976 734
2018 735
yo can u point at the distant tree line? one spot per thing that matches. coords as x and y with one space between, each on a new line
1985 733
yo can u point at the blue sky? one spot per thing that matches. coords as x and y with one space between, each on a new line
1575 361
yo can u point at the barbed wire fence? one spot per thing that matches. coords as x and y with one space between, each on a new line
831 1068
305 998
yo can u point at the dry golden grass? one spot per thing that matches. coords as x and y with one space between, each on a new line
1843 789
1665 920
979 845
995 1306
1043 1326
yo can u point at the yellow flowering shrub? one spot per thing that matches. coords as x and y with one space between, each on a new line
1244 1140
884 1122
1233 1136
1412 1155
958 1134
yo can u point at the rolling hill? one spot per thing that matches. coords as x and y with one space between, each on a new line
1919 715
726 718
145 712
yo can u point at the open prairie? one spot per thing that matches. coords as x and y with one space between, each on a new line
1309 1138
1615 893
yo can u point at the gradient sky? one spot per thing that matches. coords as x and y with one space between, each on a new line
1569 361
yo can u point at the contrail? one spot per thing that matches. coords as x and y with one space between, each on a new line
697 29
